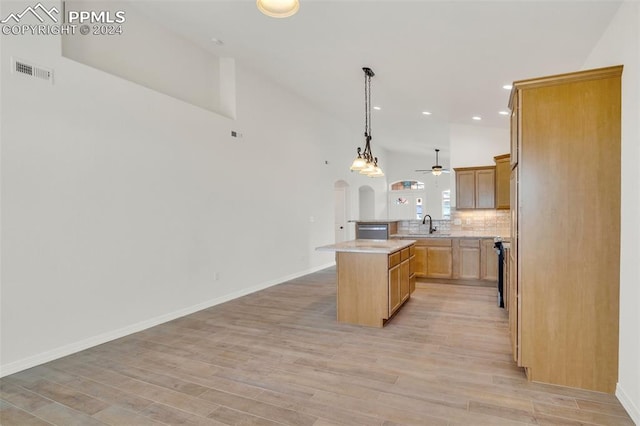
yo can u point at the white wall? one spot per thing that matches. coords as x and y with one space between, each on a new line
121 205
179 69
402 166
620 44
475 146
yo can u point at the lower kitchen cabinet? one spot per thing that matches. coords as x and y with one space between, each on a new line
372 285
488 260
468 259
434 258
400 278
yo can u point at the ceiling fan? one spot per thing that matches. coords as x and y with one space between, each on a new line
437 169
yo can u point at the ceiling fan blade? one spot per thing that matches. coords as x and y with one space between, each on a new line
426 170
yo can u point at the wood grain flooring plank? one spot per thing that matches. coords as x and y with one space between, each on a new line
60 414
67 396
22 398
10 415
173 416
258 409
591 417
117 416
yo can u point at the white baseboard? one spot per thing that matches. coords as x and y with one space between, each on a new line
628 404
44 357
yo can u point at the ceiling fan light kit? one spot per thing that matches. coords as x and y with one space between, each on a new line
436 170
365 162
278 8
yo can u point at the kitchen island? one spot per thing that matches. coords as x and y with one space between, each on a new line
374 279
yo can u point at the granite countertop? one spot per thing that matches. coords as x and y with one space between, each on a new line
372 221
368 246
454 234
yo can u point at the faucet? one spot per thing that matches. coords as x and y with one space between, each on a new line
431 228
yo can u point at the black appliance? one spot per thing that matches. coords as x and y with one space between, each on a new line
497 244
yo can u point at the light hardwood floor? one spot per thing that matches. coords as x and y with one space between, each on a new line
279 357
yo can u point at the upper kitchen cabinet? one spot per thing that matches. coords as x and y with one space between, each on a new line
503 173
475 187
565 214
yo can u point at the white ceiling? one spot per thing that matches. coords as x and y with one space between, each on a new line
448 57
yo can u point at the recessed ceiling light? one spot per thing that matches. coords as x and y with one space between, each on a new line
504 113
217 41
426 112
476 117
507 86
377 108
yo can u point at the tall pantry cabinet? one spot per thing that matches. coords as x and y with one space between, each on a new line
565 212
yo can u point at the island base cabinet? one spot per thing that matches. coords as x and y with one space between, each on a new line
371 287
395 289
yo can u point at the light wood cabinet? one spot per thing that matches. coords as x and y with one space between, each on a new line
395 296
400 278
488 261
468 259
475 187
503 172
566 221
371 287
420 261
433 258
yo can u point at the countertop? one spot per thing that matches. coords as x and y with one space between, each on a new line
453 234
368 246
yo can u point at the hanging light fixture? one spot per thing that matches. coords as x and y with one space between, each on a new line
365 162
278 8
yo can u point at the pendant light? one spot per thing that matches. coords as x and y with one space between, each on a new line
278 8
365 162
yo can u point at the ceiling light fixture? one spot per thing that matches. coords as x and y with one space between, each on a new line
507 87
436 170
365 162
278 8
476 117
377 108
426 112
503 112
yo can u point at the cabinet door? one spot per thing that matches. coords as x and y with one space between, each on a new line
469 258
515 129
420 261
405 284
439 262
485 189
515 310
465 189
489 261
503 173
394 289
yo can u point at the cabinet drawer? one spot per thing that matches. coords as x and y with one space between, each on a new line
404 254
434 242
394 259
464 242
412 250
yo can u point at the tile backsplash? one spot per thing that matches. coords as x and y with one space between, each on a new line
491 222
